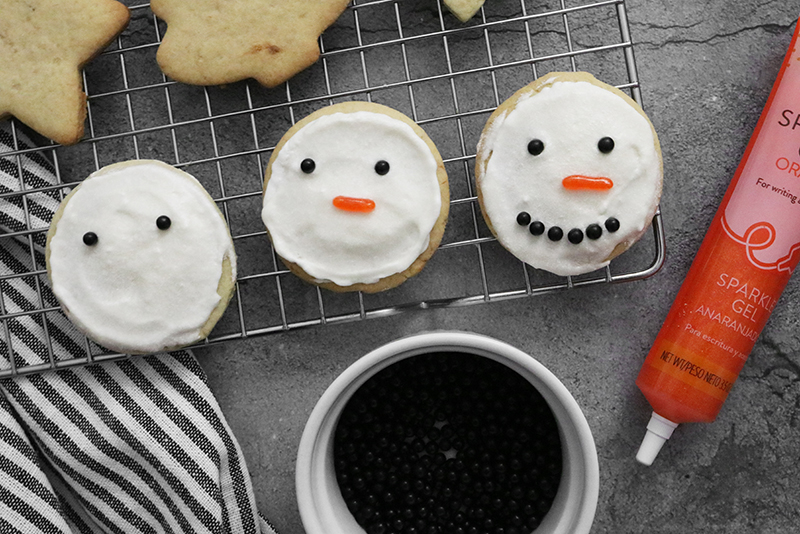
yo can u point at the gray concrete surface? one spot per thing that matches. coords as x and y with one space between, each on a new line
706 69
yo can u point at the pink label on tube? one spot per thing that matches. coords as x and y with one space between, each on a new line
770 180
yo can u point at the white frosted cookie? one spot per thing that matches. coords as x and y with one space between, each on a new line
140 258
355 198
569 173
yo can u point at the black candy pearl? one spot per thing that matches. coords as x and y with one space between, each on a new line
505 469
163 222
575 236
555 233
594 231
536 228
382 167
605 145
523 218
612 224
90 239
535 147
308 165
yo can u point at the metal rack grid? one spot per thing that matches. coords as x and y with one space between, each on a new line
412 55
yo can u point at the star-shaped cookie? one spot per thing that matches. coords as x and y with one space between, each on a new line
463 9
210 42
43 47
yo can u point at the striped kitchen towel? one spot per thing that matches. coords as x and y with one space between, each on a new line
135 446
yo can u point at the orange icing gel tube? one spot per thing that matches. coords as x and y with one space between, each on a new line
740 271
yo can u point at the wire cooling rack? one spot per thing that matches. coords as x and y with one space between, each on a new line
412 55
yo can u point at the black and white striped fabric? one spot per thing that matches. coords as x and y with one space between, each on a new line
136 446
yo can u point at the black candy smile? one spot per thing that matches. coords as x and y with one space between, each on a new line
575 235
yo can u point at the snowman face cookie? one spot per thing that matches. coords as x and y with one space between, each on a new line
569 173
354 196
140 258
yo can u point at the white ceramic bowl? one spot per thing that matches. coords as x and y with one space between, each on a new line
322 508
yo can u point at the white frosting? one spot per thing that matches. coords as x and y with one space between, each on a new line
569 118
347 247
139 288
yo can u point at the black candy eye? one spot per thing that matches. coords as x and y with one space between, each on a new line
382 167
605 145
536 147
308 165
163 222
90 239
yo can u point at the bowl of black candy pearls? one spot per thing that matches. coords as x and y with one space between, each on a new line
447 433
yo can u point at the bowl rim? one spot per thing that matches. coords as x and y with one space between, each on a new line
311 498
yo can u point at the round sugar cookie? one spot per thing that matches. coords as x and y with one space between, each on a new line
140 258
356 198
569 173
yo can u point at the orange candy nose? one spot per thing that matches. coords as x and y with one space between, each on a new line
578 182
362 205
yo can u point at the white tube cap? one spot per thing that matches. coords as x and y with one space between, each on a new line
659 430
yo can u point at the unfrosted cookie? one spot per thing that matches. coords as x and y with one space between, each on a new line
355 198
210 42
140 258
44 44
569 173
463 9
